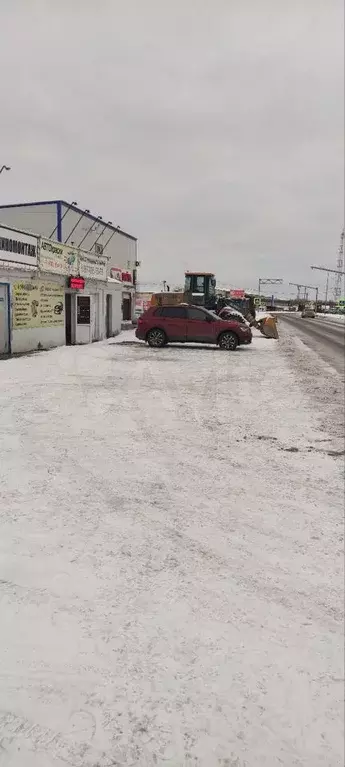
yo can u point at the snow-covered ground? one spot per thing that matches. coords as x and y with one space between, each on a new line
170 560
336 317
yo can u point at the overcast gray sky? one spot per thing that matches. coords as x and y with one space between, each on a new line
212 130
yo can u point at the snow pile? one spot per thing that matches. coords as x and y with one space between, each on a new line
262 315
170 561
336 317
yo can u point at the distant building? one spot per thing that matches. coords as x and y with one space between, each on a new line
69 224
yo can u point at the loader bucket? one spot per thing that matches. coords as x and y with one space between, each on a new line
269 327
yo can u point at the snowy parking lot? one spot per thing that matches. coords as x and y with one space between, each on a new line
171 559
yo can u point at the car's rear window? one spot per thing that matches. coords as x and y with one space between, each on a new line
171 311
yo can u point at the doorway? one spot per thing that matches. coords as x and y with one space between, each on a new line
126 307
4 319
109 315
68 318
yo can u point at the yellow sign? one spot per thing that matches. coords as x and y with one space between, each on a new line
37 305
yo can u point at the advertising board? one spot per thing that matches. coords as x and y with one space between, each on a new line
18 247
37 304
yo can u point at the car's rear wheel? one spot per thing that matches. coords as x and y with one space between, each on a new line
156 338
228 341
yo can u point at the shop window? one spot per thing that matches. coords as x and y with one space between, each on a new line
83 310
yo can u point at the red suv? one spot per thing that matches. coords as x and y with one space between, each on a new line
190 324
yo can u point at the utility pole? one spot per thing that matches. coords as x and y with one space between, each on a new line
296 285
306 288
312 287
326 289
338 272
340 266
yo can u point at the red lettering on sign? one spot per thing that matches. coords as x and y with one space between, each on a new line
77 283
237 293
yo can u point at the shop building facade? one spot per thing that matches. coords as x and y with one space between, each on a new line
70 225
52 294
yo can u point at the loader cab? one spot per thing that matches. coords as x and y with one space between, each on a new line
200 287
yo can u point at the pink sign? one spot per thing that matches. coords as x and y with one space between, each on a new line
237 293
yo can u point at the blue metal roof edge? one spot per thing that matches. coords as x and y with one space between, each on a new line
29 204
72 207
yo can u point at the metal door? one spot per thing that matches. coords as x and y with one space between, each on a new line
4 319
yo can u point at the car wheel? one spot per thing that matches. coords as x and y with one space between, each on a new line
228 341
156 338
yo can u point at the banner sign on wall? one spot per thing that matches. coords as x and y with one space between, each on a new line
63 259
37 305
92 268
116 273
19 247
58 258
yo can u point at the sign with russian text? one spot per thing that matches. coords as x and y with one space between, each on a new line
92 268
37 305
63 259
58 258
76 283
237 293
19 247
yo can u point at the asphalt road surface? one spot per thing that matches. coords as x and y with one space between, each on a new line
325 336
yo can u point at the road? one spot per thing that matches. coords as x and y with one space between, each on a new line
325 336
171 560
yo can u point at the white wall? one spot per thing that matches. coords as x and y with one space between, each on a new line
116 311
97 292
122 250
30 339
39 219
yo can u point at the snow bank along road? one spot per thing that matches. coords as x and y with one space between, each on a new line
326 336
170 560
